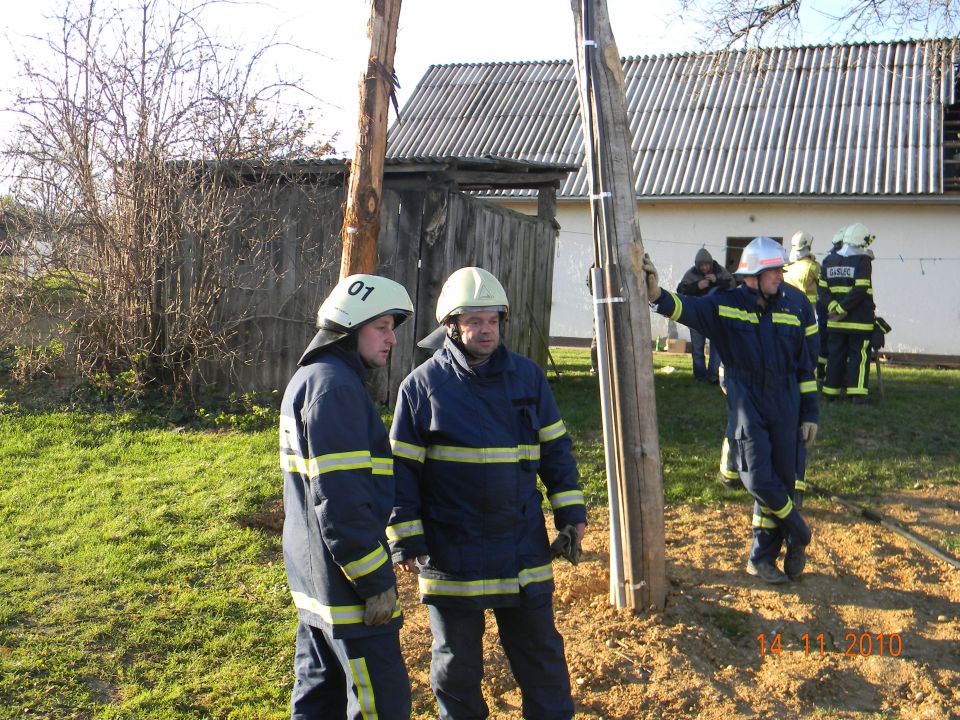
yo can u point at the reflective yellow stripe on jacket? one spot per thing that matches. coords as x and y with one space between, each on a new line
486 586
333 614
454 453
332 462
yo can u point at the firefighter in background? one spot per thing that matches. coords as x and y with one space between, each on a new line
337 495
821 307
474 426
803 271
704 277
850 310
763 330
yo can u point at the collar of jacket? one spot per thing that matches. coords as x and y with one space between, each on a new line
753 295
350 358
453 353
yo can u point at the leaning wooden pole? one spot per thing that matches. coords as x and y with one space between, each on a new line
619 253
361 217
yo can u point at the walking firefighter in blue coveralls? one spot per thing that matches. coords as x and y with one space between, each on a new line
474 426
765 331
338 493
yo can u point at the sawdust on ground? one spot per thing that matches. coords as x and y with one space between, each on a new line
887 612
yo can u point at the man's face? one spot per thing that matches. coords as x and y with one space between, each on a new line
374 341
770 280
704 267
479 332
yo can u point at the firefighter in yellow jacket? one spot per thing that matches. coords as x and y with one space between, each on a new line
803 271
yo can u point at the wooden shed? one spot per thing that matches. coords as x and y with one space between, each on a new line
286 254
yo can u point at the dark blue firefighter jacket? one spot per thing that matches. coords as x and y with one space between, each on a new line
468 448
337 494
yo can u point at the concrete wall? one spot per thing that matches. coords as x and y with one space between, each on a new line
916 274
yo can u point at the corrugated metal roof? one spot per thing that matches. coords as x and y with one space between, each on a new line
829 120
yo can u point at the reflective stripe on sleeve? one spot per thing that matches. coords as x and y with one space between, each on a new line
398 531
808 386
863 282
382 465
801 485
785 510
552 432
365 565
677 306
565 499
811 330
408 450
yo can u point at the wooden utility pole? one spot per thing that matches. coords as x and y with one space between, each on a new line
626 314
361 218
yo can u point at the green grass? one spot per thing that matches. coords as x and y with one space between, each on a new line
132 585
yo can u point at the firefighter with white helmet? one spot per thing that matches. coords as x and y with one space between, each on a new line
337 494
766 332
847 295
473 428
821 307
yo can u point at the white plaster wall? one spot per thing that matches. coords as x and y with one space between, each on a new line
916 274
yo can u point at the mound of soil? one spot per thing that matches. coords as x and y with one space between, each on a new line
885 613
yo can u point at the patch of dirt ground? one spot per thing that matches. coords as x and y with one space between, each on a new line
887 612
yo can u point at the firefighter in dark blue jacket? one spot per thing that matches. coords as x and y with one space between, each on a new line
338 492
474 426
763 331
821 307
851 315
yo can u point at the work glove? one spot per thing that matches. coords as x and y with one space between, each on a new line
808 431
567 545
653 279
380 608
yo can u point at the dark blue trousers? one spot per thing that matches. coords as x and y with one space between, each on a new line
349 678
848 364
763 421
703 369
532 645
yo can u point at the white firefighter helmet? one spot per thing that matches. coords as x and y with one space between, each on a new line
857 236
355 301
838 237
800 246
762 253
468 289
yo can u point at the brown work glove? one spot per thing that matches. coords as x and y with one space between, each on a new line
567 545
380 608
653 279
808 431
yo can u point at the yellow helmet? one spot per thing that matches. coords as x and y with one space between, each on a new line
471 288
355 301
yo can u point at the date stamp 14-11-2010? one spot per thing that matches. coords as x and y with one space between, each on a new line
854 644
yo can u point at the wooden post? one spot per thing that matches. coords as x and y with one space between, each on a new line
361 218
619 254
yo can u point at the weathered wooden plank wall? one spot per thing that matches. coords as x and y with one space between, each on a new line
287 256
